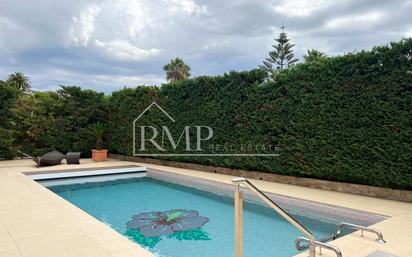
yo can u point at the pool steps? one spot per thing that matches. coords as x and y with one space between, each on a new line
311 241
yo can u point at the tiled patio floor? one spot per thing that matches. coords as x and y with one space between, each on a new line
36 222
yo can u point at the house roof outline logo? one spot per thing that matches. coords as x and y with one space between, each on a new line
156 105
153 104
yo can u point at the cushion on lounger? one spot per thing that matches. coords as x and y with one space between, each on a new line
73 158
51 158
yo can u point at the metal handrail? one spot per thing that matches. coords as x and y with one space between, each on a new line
361 228
278 209
317 243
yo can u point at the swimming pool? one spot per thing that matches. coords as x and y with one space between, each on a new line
173 220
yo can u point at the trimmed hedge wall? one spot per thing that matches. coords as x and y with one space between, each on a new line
346 118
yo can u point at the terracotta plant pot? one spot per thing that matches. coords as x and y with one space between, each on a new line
99 155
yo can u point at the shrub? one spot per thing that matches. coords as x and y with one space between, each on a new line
8 98
58 120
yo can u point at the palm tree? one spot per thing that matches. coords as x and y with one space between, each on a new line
313 54
98 129
19 81
176 70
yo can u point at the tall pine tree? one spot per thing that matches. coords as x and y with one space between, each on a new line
282 56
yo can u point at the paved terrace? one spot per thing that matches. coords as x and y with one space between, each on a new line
37 223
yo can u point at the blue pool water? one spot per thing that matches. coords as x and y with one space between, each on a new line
266 234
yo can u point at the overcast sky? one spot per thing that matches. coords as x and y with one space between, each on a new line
107 44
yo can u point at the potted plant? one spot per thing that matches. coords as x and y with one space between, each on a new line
97 129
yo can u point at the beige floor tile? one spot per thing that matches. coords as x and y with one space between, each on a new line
12 253
117 245
101 236
7 244
90 251
53 243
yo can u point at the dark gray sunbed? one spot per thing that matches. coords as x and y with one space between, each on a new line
51 158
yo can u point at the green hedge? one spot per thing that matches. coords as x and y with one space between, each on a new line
8 100
345 118
49 121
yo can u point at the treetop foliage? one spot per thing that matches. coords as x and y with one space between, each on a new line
176 70
282 56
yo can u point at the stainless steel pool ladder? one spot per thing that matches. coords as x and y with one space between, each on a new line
311 241
321 245
341 226
238 218
375 231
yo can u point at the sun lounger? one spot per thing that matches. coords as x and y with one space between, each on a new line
51 158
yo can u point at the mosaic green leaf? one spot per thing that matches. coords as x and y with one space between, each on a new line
195 234
174 215
149 242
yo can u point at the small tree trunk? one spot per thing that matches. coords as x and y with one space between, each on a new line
99 144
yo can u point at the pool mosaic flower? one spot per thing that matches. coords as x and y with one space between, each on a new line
154 224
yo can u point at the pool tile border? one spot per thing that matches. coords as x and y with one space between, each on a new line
312 209
343 187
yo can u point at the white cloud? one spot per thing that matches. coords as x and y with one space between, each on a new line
407 3
125 18
121 80
5 26
184 6
6 23
301 8
60 76
83 26
409 33
136 17
123 50
129 29
360 20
